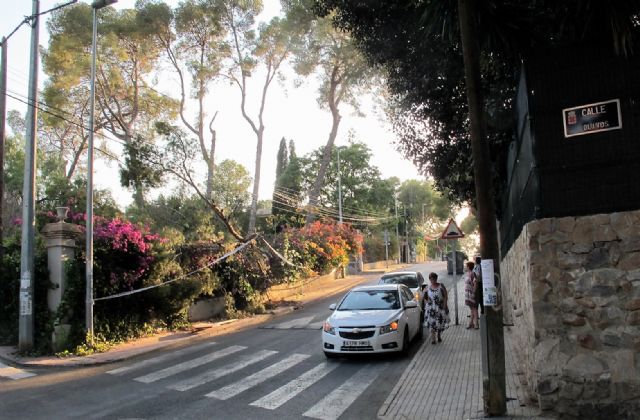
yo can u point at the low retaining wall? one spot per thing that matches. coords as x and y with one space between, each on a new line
214 307
571 287
287 291
378 265
206 309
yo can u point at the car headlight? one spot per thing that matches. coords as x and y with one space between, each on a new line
417 296
328 328
389 328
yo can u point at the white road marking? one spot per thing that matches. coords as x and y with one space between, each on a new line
295 323
213 374
315 325
293 388
14 373
242 385
189 364
162 358
333 405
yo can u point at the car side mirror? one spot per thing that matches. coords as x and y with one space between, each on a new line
424 286
332 307
411 304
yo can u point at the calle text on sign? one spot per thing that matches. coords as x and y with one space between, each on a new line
592 118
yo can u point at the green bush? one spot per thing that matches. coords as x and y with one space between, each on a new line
10 297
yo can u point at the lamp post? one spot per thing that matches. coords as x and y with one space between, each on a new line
339 189
96 5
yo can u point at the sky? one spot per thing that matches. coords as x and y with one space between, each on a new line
290 112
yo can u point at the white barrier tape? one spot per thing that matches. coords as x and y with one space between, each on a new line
225 256
280 256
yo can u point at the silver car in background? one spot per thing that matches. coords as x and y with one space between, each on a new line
412 279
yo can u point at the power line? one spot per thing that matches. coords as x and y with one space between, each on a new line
329 211
28 19
74 123
319 211
131 292
106 153
322 211
355 211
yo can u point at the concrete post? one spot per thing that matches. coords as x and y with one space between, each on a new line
60 241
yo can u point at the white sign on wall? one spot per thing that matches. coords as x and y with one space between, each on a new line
489 290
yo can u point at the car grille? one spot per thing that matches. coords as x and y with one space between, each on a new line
356 335
353 348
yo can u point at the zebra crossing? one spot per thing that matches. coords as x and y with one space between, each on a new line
279 378
306 323
13 373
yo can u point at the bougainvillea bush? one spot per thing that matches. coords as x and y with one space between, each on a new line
128 257
123 255
324 245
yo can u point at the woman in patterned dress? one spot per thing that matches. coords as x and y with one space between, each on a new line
436 308
470 295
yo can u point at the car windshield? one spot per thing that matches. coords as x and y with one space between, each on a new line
370 300
409 280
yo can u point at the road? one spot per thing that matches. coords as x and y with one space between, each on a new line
274 371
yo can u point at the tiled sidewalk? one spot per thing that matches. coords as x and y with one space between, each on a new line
444 381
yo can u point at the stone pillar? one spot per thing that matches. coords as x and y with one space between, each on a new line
60 240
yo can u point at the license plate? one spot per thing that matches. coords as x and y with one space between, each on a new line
356 343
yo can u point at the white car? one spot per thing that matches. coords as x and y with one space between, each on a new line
373 319
412 279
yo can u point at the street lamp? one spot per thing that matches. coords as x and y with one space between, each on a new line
339 189
96 5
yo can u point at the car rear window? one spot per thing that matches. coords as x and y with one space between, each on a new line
370 300
409 280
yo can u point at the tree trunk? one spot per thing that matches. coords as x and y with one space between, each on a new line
494 389
138 194
212 150
326 153
3 110
322 172
256 185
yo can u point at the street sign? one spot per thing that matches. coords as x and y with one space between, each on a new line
452 231
592 118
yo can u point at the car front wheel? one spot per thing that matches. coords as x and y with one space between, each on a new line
405 343
420 333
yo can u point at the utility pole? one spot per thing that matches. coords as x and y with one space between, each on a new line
3 116
25 323
454 264
386 247
339 189
406 235
397 230
494 380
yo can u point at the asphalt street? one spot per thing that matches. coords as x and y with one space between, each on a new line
272 371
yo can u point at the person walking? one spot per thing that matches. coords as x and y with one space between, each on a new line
437 309
477 271
470 288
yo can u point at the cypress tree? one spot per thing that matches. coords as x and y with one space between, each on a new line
282 160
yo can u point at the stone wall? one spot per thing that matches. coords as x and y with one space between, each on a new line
571 287
291 291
